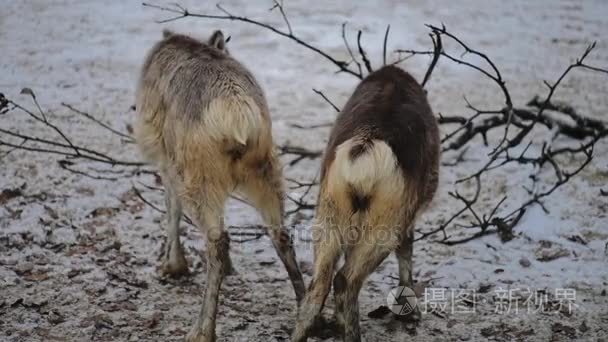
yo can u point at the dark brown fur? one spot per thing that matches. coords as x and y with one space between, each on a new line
390 105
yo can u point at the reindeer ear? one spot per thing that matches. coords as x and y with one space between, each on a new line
217 40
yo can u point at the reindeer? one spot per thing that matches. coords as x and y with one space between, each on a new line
203 120
380 170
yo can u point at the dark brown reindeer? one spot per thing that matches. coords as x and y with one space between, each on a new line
203 120
379 171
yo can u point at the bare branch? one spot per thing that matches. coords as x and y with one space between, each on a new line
183 13
67 149
437 49
97 121
350 51
282 10
320 93
327 124
300 153
366 61
388 28
42 118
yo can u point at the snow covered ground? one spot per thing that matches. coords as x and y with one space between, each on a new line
78 256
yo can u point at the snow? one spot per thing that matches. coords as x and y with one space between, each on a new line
88 54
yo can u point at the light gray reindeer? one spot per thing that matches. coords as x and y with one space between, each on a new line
204 121
379 171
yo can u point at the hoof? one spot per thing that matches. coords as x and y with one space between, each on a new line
228 269
325 329
174 268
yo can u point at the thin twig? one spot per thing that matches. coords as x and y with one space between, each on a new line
97 121
320 93
388 28
282 10
437 49
366 61
350 51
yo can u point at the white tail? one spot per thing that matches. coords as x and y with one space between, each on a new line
375 171
234 118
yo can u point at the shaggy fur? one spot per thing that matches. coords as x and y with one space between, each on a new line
203 120
380 169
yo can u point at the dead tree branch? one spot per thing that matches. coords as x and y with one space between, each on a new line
353 59
279 5
524 120
182 12
437 50
327 124
300 153
300 202
67 149
366 61
388 28
109 128
493 74
320 93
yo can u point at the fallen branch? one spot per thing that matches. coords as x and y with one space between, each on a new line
67 149
127 137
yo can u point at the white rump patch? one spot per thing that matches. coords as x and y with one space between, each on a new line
237 118
374 170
